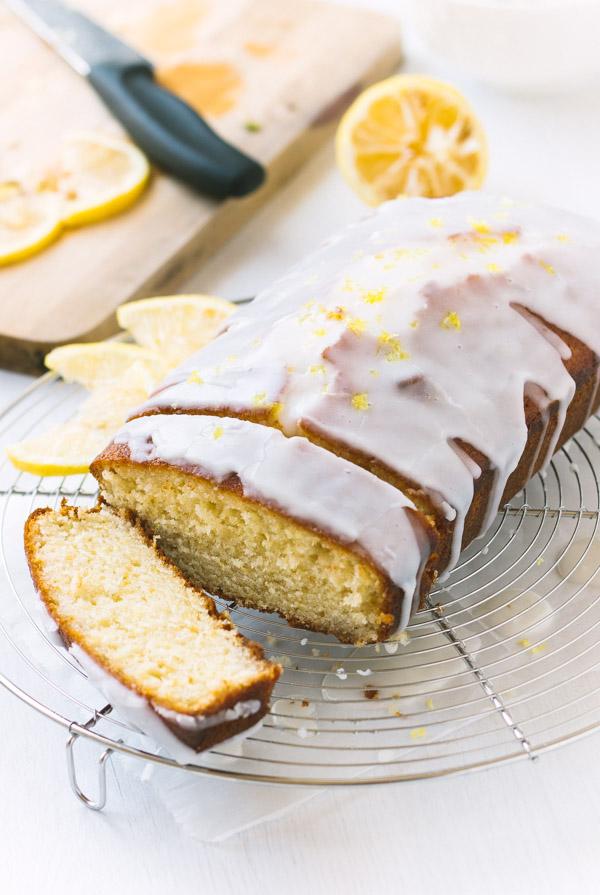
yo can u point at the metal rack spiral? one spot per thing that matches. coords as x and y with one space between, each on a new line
503 664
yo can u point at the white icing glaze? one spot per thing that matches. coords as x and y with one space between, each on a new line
144 717
201 722
299 478
411 330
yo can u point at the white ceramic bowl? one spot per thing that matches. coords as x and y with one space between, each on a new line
517 44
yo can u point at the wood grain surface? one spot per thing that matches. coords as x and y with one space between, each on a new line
272 76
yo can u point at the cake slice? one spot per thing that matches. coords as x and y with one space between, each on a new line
154 645
275 523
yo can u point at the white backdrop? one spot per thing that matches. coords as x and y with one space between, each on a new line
526 828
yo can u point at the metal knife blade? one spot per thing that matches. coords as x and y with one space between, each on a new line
78 39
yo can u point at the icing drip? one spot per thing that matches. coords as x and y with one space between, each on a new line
415 331
300 479
201 722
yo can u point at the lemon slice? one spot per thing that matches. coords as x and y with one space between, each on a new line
28 222
98 176
93 364
70 447
411 135
175 325
110 403
65 449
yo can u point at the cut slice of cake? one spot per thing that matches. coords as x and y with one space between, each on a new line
153 644
278 524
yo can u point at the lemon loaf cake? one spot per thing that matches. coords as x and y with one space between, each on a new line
153 644
277 523
444 347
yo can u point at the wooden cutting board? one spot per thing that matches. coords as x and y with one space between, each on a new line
272 76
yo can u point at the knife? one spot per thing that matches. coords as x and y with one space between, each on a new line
169 131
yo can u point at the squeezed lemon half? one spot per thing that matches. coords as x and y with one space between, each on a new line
411 135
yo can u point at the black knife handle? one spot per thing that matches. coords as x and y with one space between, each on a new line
172 135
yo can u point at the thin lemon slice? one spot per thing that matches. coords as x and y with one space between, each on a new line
175 325
70 447
28 222
93 364
97 176
110 403
65 449
411 135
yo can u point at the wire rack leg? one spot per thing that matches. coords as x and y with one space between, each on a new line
98 803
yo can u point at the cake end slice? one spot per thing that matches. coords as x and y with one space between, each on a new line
154 644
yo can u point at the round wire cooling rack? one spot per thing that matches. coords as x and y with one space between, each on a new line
503 664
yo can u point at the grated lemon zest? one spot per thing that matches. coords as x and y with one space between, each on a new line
451 321
360 401
373 296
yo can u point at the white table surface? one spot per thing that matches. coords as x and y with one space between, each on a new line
522 828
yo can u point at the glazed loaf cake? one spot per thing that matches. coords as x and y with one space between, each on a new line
154 645
277 523
442 348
